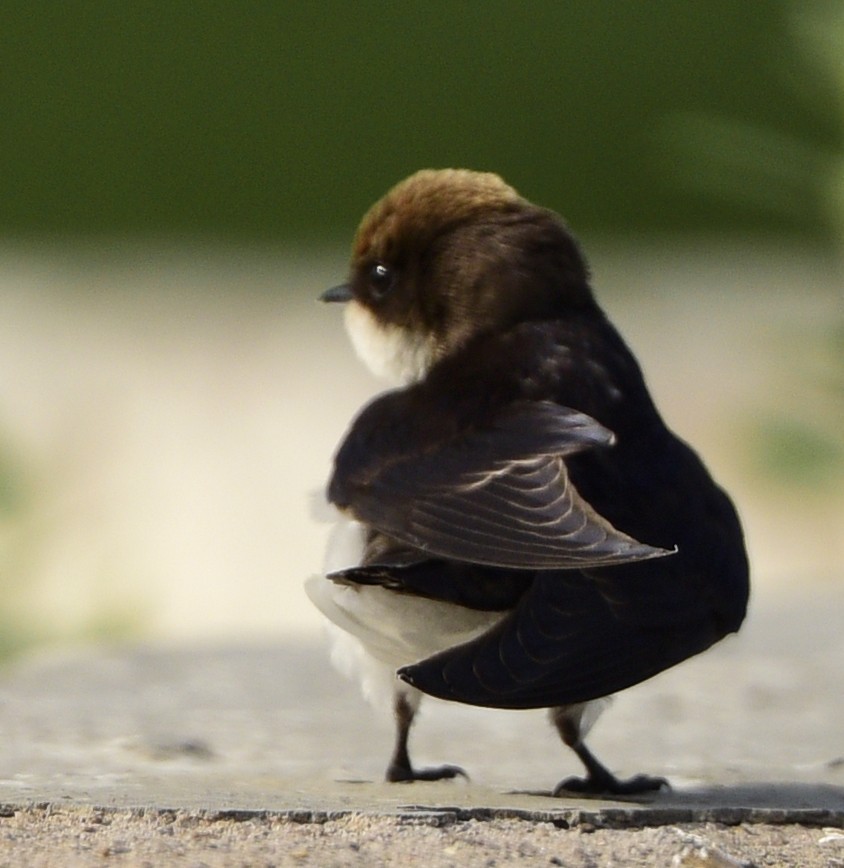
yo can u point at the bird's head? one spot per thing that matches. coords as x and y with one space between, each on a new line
447 255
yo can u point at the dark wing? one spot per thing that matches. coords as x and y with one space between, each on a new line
490 589
499 496
565 644
577 635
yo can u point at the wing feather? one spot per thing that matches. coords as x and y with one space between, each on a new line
500 496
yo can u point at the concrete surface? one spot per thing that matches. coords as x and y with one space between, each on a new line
262 755
754 726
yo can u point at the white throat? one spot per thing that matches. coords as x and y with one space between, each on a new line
389 351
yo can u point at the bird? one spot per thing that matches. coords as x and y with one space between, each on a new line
517 526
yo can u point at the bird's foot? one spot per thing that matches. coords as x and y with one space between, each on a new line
405 774
609 784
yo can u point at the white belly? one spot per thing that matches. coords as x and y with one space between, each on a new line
382 630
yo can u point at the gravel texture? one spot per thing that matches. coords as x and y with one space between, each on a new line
47 835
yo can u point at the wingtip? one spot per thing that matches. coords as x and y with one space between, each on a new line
406 674
645 552
428 679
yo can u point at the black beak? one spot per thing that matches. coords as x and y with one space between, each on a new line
343 292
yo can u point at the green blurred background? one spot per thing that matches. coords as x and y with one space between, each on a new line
179 180
271 121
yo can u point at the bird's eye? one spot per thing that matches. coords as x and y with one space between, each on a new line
381 279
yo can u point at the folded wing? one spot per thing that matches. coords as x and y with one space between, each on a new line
499 496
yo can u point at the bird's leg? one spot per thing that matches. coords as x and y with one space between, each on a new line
599 779
400 769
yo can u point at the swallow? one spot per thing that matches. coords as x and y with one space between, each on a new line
520 528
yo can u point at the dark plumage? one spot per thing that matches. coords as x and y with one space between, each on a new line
522 477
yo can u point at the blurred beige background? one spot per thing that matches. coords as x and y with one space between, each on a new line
169 415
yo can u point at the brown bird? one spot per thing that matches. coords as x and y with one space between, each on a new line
525 530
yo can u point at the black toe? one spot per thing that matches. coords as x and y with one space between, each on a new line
403 774
598 785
